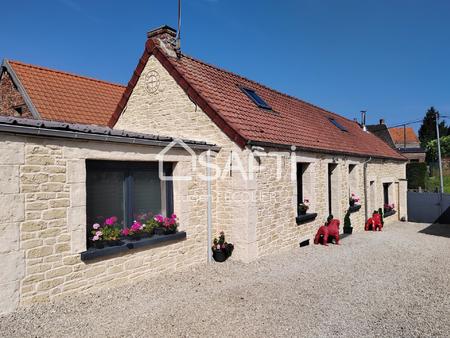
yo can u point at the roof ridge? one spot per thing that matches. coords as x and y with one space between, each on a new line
65 73
265 86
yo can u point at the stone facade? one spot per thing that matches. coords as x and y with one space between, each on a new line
259 215
11 101
43 189
43 220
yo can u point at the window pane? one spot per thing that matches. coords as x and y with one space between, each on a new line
104 195
147 192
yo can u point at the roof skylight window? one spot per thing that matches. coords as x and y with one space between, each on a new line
337 124
256 98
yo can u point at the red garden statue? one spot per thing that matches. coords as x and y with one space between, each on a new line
374 223
327 231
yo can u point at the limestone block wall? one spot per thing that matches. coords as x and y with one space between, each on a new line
12 214
276 227
385 171
169 111
43 220
253 220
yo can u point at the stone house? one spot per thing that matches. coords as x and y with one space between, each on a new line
80 147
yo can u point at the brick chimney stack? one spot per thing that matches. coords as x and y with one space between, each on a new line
382 121
164 36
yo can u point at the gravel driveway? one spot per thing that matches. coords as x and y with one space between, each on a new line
391 284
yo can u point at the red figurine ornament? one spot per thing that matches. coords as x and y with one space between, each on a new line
374 222
329 229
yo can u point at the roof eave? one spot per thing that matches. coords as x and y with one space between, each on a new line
324 151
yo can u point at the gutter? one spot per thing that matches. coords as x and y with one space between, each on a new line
320 151
75 135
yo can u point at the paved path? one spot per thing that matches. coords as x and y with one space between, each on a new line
390 284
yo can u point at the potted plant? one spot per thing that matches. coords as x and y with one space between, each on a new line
107 233
303 207
353 200
388 207
97 236
135 232
165 225
221 249
348 229
111 231
149 228
149 224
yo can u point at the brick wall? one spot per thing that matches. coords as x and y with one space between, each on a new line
11 101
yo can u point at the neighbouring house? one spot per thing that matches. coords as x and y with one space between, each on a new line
80 148
404 139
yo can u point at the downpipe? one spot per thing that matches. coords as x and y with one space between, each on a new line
209 205
366 207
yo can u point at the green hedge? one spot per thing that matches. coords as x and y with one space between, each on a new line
415 174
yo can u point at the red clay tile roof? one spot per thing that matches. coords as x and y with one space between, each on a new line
292 121
61 96
398 134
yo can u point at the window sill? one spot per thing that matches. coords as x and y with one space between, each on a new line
354 208
389 213
305 218
144 243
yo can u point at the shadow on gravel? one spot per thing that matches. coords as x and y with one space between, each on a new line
436 229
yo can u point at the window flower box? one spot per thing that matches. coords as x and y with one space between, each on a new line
305 218
389 213
389 210
127 245
354 208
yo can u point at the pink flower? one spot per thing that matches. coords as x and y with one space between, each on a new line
126 232
173 216
159 218
110 221
96 226
98 233
136 226
95 238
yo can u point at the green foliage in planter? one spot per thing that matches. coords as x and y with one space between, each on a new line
380 211
150 226
416 174
347 221
111 233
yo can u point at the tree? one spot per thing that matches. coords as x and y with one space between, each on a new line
427 131
432 148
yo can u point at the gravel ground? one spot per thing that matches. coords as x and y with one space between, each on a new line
391 284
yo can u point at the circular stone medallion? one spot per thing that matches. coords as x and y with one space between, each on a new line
152 81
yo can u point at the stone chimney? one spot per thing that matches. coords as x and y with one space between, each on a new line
164 36
382 121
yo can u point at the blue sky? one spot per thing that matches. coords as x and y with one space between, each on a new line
388 57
